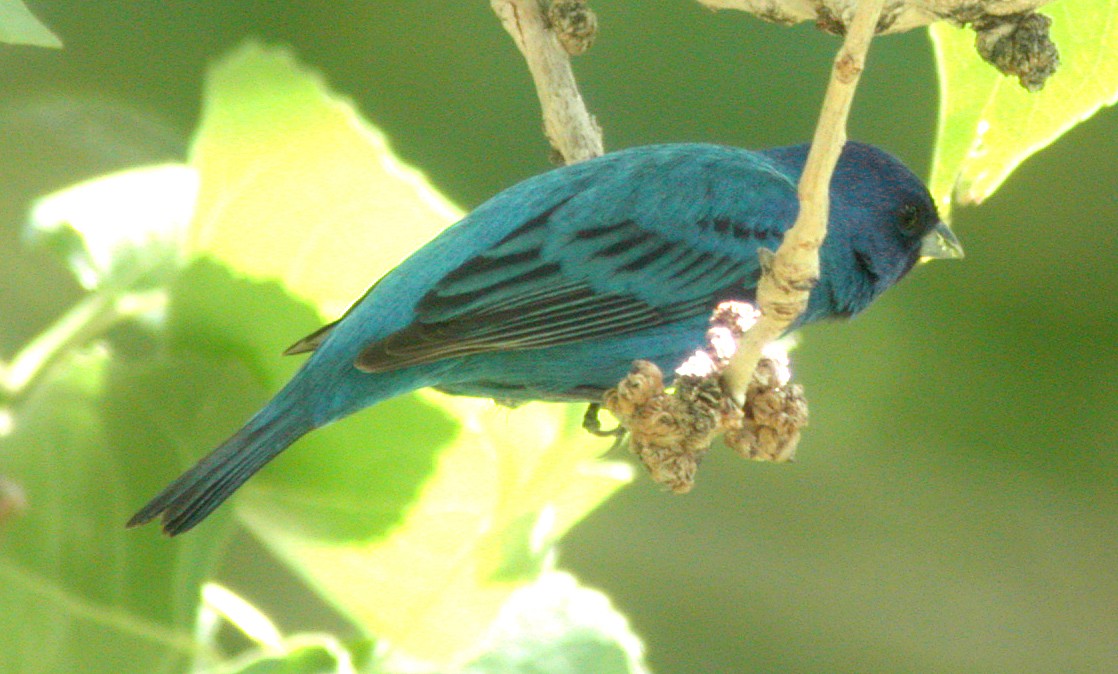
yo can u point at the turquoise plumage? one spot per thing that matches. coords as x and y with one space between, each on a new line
549 290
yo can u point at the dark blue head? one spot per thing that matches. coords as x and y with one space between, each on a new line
882 220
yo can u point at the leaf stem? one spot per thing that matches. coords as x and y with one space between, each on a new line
87 319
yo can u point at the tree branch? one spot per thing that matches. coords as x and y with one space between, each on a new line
1010 35
896 17
790 274
670 432
570 128
732 387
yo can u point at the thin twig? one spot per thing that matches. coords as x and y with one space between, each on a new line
569 126
789 275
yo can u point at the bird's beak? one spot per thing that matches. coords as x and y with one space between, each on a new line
940 244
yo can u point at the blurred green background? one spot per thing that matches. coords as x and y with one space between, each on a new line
954 505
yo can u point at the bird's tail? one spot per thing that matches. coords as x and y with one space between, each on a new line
200 490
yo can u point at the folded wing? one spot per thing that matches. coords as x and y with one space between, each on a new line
622 255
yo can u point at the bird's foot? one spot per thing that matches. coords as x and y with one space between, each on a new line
593 425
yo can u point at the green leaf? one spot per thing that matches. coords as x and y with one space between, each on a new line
302 659
276 654
311 659
507 487
297 188
988 124
19 26
122 236
418 518
123 231
352 480
90 442
557 626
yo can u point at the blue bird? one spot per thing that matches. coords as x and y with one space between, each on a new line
551 289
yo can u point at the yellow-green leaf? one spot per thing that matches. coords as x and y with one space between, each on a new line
296 187
19 26
988 124
557 626
502 493
96 436
120 230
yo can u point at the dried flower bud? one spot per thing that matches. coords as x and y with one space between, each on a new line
574 24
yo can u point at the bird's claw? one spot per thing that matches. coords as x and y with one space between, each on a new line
593 425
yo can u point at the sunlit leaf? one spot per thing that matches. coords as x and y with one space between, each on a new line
352 480
988 124
19 26
297 188
301 202
311 658
503 478
556 626
275 654
122 230
510 485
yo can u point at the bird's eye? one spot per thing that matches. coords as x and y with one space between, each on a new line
910 220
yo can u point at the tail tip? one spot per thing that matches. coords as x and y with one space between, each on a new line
141 518
172 521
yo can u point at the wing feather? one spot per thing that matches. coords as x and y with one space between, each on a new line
627 253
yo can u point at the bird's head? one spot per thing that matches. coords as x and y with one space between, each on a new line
883 219
890 218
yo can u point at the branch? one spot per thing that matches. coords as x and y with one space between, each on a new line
724 391
1010 35
570 128
790 274
732 387
897 17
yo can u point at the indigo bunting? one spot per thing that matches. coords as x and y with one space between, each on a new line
551 289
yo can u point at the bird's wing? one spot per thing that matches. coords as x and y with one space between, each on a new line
313 340
622 255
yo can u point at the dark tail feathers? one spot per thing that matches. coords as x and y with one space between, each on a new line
200 490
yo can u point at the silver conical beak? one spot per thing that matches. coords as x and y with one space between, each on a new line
941 244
